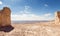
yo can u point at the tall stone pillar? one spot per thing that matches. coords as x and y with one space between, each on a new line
5 17
57 17
5 20
0 18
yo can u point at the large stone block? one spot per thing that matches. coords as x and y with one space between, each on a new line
5 17
57 17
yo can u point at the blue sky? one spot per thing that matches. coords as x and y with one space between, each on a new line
31 9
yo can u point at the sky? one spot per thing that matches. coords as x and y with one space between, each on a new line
31 9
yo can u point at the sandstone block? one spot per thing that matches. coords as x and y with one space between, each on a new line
5 17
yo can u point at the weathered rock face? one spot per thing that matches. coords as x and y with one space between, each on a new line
57 17
5 19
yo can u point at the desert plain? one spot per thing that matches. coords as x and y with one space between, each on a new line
34 29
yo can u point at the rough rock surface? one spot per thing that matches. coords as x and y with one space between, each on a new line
5 18
57 17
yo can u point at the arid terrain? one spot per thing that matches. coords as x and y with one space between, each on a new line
34 29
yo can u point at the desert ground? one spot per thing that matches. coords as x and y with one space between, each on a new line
34 29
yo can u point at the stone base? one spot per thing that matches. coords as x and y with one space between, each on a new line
6 28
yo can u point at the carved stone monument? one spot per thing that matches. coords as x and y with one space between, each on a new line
57 17
5 17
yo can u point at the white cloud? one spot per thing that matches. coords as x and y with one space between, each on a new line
30 17
27 15
26 10
46 5
27 7
1 3
47 14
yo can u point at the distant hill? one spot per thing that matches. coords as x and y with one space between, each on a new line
26 22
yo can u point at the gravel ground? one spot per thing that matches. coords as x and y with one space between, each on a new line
38 29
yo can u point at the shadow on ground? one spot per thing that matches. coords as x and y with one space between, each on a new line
7 28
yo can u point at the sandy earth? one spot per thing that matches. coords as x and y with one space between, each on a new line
36 29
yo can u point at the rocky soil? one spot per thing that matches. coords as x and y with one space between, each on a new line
36 29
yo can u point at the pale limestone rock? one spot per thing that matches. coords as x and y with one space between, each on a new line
5 19
57 17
